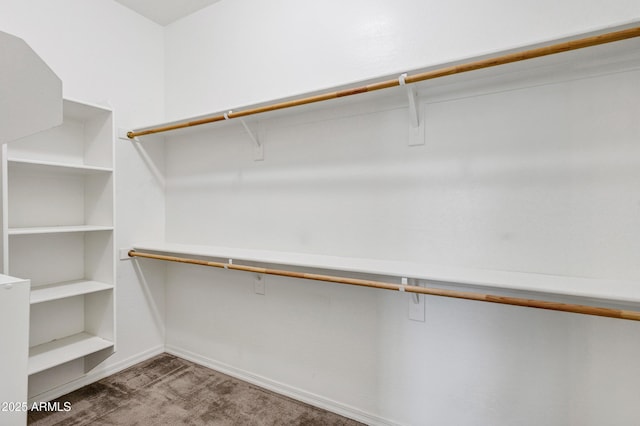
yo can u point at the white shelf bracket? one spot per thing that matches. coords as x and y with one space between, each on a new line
411 95
258 284
416 128
416 302
258 148
230 262
403 282
414 296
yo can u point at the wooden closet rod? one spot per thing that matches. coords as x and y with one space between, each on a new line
505 300
428 75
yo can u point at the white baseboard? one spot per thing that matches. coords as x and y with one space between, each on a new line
92 377
274 386
282 389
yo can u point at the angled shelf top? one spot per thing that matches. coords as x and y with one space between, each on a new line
6 280
31 98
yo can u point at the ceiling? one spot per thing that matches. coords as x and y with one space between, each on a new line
165 12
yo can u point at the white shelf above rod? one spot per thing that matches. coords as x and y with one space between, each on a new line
481 297
508 58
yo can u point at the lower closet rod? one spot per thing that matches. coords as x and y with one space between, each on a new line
505 300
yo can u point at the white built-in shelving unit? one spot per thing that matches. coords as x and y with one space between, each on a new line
58 232
30 102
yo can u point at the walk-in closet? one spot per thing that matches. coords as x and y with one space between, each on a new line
238 212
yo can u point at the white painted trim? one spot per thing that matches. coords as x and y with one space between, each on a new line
92 377
274 386
283 389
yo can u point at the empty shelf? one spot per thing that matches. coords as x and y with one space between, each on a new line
27 165
56 291
597 288
57 229
51 354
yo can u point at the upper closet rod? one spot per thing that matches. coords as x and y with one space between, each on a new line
505 300
428 75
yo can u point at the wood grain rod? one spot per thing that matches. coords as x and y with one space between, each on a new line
505 300
428 75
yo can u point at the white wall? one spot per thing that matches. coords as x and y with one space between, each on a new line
240 52
492 187
103 52
540 179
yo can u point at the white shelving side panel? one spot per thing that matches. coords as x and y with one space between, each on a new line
58 229
56 291
605 289
14 315
51 354
31 92
37 166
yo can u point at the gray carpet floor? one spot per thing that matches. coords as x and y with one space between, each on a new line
166 390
